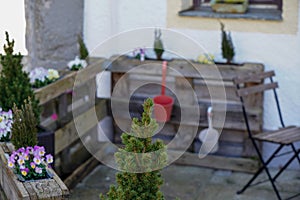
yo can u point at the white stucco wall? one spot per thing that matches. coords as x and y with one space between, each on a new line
12 20
280 52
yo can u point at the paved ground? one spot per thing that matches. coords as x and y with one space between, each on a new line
194 183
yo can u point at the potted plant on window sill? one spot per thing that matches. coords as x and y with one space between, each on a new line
229 6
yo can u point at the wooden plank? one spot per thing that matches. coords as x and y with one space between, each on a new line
185 90
216 162
46 189
120 87
69 133
256 89
67 82
256 77
79 174
185 68
64 189
282 136
31 191
12 187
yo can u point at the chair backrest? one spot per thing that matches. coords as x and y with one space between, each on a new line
259 83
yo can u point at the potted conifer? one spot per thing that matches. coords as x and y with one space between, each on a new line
227 45
26 171
140 177
15 88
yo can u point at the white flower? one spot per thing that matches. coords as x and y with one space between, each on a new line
52 74
77 62
6 122
38 73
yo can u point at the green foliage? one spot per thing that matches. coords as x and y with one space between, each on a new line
227 45
140 161
24 128
83 51
38 83
158 45
15 85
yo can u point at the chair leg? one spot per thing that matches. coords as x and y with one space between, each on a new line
296 152
264 167
272 182
251 180
287 163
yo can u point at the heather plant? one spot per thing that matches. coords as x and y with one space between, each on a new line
140 177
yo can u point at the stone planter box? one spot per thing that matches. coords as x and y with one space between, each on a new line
45 189
237 6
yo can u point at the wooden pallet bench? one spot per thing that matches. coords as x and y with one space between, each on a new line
182 74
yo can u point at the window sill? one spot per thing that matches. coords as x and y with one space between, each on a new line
252 13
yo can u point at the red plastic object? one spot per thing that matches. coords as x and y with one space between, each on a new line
163 104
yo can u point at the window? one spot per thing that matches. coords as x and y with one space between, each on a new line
257 9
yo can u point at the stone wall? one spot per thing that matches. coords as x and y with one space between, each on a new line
52 28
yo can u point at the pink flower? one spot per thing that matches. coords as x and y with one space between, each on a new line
54 116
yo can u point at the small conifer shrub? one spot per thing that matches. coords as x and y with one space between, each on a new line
227 45
83 51
158 44
15 86
140 177
24 127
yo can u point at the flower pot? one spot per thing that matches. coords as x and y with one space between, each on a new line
163 105
50 188
229 6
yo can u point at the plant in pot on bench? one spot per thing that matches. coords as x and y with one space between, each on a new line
28 160
15 87
26 171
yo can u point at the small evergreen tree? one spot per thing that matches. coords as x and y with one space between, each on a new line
24 128
15 85
227 45
158 45
140 161
83 51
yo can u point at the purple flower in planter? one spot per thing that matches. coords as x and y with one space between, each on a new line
14 156
26 156
21 161
49 159
32 165
37 160
11 164
21 151
38 170
30 162
29 150
24 171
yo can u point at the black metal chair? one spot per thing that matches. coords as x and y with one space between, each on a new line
284 136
